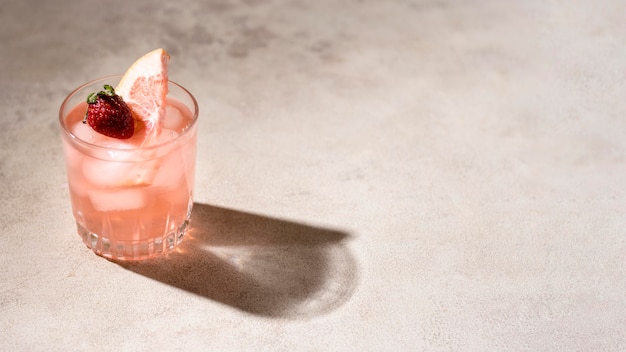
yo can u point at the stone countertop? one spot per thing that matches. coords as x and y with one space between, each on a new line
403 175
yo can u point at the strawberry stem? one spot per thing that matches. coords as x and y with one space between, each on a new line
91 98
108 90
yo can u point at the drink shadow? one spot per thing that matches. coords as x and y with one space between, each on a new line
258 264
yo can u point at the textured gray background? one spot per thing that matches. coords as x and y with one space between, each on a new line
403 175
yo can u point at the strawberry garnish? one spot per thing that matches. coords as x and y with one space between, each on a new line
108 114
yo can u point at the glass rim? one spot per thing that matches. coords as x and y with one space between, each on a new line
82 142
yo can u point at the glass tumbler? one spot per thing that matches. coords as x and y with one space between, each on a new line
131 200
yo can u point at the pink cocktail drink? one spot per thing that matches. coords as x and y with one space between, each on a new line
131 198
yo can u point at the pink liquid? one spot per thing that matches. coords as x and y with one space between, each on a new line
132 198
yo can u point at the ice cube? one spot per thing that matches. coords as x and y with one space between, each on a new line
173 119
120 174
104 173
83 131
141 173
126 199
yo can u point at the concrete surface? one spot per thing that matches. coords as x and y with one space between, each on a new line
372 176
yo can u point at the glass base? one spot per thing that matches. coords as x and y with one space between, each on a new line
132 250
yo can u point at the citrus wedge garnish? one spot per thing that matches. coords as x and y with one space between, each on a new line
144 89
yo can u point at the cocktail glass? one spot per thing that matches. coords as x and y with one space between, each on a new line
131 199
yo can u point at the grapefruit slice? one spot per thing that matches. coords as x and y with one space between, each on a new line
144 89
